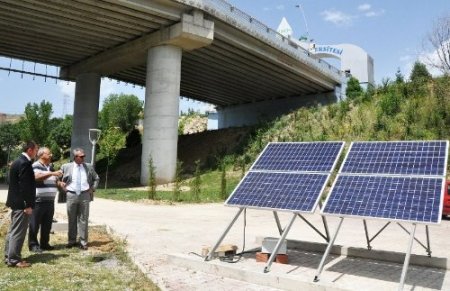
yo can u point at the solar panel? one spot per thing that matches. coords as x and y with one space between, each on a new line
287 176
297 156
403 157
397 198
401 180
282 191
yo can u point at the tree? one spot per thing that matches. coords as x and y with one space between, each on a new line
9 138
399 79
354 90
36 124
438 41
60 136
419 73
120 110
111 142
151 179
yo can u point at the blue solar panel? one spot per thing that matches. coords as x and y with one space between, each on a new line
287 176
281 191
299 156
395 198
403 157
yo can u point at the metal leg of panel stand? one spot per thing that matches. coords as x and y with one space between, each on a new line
407 256
313 227
367 235
427 248
428 241
209 256
325 224
327 251
277 220
277 247
369 247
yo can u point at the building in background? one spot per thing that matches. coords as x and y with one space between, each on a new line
353 59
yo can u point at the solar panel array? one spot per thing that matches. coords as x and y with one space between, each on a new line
287 176
391 180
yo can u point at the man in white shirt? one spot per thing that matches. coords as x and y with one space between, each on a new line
79 181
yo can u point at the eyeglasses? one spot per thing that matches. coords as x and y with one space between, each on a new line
80 156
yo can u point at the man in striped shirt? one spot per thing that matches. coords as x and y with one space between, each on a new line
46 189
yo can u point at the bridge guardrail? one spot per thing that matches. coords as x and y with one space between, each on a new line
232 15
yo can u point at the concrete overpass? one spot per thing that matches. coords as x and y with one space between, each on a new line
206 50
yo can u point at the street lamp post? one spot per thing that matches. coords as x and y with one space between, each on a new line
94 136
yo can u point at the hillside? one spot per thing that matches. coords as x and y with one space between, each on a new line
417 110
209 147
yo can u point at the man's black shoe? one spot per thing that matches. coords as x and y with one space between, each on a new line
71 245
36 249
47 248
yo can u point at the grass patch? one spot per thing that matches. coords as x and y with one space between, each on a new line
105 266
209 190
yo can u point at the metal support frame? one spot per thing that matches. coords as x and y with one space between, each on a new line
277 246
327 251
227 229
369 247
427 247
325 236
407 256
369 240
277 220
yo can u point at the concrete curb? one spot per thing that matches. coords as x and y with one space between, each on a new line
217 268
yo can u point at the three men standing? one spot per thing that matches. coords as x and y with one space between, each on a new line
21 200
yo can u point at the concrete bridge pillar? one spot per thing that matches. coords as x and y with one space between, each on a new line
162 94
85 111
161 112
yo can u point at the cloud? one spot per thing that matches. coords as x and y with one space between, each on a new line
280 7
364 7
429 58
374 13
367 11
337 17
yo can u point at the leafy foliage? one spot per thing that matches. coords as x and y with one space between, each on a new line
120 110
151 179
413 110
111 142
419 73
196 182
36 124
353 90
60 137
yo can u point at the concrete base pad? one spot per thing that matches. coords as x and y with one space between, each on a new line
346 268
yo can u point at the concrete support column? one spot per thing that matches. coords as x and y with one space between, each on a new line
85 111
161 112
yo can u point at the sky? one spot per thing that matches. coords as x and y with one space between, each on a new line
391 31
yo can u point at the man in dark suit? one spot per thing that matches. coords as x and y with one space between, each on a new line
79 181
21 199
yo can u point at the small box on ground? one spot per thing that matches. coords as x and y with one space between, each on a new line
264 257
269 243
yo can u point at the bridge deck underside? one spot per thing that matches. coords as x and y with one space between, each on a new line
64 33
